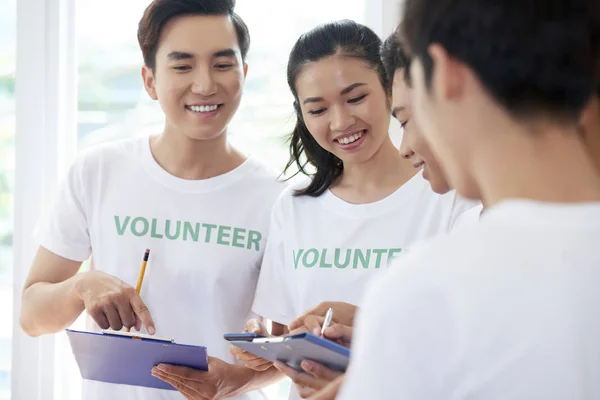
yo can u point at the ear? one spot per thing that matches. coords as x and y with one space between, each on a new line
590 117
449 74
245 70
149 82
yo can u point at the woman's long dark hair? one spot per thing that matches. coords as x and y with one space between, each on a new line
346 38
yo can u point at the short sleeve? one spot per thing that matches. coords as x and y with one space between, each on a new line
64 229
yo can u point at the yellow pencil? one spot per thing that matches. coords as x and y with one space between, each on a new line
138 287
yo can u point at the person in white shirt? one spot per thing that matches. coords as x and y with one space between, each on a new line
198 204
414 147
364 205
394 55
506 308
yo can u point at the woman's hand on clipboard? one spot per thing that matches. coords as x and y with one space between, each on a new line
248 359
317 381
343 313
330 391
313 380
341 334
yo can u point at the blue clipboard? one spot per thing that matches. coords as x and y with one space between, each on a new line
293 349
128 358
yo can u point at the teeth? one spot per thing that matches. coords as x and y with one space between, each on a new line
351 138
212 107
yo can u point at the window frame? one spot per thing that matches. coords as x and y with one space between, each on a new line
44 146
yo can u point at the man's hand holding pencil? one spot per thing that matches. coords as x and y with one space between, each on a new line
113 303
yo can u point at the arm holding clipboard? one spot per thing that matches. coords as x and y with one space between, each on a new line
308 373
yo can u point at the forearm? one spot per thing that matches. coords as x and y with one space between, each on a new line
255 380
50 307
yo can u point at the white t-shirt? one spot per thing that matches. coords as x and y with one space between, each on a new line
325 249
206 237
469 218
508 309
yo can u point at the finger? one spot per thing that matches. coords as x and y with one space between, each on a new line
125 313
254 326
314 323
178 384
339 332
259 364
305 392
249 357
319 371
138 323
298 330
184 373
250 360
100 318
300 378
319 310
253 362
286 369
330 391
142 312
113 317
236 351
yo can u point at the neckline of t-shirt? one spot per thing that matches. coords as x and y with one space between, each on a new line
529 213
191 186
383 206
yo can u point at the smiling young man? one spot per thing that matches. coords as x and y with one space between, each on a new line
199 205
414 147
509 307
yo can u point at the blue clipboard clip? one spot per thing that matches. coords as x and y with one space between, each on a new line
137 336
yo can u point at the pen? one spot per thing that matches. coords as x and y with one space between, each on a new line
327 322
138 287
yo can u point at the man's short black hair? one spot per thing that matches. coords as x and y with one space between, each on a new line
395 56
160 12
535 57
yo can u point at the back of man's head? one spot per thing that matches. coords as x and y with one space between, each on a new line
536 58
395 56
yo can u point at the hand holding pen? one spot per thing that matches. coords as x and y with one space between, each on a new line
344 314
112 303
328 319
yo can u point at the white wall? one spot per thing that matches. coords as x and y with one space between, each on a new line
383 17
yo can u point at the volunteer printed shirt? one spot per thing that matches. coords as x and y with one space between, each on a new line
325 249
206 237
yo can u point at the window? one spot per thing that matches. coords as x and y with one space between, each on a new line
7 175
113 103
